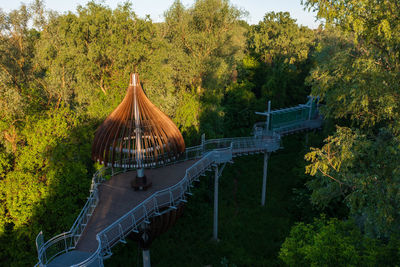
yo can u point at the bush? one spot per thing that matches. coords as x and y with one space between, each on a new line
336 243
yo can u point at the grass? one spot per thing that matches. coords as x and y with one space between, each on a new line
250 235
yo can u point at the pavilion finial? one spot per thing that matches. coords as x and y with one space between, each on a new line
134 79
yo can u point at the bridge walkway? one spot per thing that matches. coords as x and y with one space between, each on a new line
114 209
117 198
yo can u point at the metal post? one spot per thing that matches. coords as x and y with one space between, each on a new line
269 114
100 259
215 232
203 141
264 185
309 112
146 258
140 172
306 139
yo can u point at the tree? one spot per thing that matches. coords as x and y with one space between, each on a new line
335 243
20 91
209 37
363 76
46 184
357 75
283 48
87 58
205 40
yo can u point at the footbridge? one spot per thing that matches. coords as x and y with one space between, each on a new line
113 210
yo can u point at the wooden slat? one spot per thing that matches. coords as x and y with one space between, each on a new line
115 139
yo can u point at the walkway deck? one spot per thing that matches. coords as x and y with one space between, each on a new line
117 198
71 258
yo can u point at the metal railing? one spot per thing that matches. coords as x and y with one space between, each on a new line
292 119
168 198
58 244
213 151
260 128
171 197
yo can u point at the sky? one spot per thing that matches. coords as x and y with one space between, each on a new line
156 8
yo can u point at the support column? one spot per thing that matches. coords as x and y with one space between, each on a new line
141 182
144 241
140 173
264 185
215 232
203 141
269 115
146 258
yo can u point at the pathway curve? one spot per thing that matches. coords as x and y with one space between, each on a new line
117 198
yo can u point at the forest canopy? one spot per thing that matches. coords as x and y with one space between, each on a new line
209 70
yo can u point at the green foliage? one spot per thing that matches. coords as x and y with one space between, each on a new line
240 107
20 92
282 47
353 83
205 42
187 116
373 23
5 163
357 75
209 39
336 243
364 171
209 71
49 176
86 56
58 80
279 39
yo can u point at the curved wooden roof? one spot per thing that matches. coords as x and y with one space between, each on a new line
137 134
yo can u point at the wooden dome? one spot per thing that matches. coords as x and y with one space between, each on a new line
137 134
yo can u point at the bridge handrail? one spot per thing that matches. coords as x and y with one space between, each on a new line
98 178
76 229
73 232
104 246
67 246
191 173
214 148
153 202
92 197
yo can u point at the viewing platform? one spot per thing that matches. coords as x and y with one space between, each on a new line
114 210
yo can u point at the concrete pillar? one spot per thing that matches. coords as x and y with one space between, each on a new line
264 185
215 232
146 258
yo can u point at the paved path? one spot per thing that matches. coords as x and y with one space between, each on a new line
117 198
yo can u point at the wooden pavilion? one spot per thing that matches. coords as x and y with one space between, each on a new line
137 135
